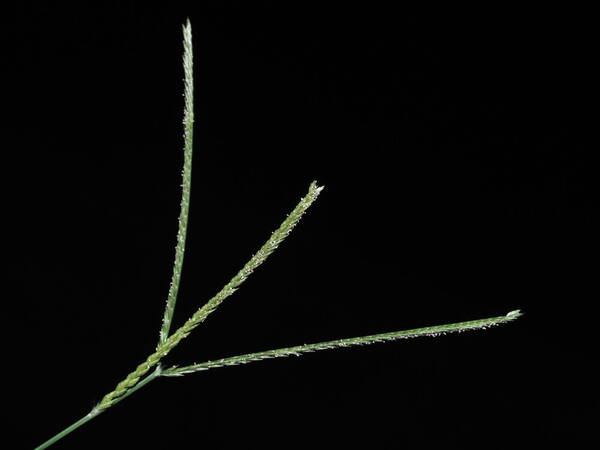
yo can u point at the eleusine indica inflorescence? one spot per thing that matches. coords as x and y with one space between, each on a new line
151 368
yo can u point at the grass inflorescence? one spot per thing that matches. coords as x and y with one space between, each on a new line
151 368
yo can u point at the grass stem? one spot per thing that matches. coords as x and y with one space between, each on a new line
95 412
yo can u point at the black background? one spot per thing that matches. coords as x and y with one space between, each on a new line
455 149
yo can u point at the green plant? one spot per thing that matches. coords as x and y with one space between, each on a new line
151 368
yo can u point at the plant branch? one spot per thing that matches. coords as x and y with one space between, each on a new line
300 349
188 124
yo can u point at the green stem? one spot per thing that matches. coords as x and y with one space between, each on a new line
66 431
95 412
